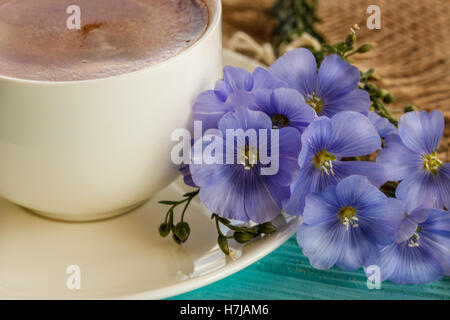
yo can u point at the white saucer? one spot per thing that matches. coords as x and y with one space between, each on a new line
120 258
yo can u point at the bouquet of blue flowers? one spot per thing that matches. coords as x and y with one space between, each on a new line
371 190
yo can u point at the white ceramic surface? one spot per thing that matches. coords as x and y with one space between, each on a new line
92 149
120 258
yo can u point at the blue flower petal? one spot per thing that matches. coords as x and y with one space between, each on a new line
241 99
321 206
187 176
420 131
260 204
237 78
378 215
373 171
280 192
244 118
353 135
444 184
421 213
356 100
357 250
202 173
399 162
209 108
438 221
410 223
287 102
310 179
291 103
383 126
407 228
223 89
409 265
336 78
321 243
298 69
357 191
315 138
299 190
263 79
382 220
437 229
221 186
421 186
288 146
225 197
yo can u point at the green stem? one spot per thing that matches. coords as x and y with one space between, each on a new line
351 53
384 111
167 216
216 217
185 208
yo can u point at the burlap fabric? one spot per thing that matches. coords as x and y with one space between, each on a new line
413 53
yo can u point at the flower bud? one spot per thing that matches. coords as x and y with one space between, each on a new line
223 244
164 229
388 98
350 40
242 237
175 238
182 231
371 87
366 47
410 108
267 228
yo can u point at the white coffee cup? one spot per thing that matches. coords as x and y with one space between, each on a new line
93 149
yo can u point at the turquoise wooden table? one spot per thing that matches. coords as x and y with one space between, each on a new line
286 274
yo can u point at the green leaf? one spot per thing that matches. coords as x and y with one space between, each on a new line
191 194
168 203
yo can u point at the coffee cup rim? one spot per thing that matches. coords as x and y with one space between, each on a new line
215 20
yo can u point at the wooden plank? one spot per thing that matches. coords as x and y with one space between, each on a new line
287 274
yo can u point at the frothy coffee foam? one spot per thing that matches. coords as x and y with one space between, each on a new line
116 36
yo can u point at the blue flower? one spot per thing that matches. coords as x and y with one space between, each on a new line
187 176
285 107
211 105
329 91
324 143
410 157
239 190
383 126
421 251
346 224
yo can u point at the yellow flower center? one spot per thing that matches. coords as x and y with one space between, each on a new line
324 160
315 102
414 240
248 157
432 163
348 217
